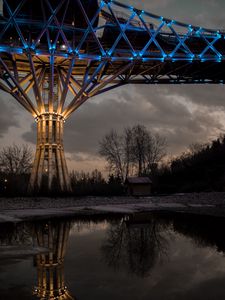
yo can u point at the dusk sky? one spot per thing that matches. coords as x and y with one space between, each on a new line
182 114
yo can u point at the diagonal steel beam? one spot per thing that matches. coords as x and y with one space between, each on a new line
59 27
120 27
12 15
84 87
80 100
66 85
122 70
90 28
74 82
37 91
16 83
47 23
62 79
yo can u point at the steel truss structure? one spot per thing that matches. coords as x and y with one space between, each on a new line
55 55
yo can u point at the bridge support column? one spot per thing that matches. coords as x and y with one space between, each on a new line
49 168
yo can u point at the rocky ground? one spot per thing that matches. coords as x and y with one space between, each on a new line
215 199
18 209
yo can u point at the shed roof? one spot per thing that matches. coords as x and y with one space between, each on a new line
138 180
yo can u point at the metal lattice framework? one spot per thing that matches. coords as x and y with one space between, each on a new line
55 55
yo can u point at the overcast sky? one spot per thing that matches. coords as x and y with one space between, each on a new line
183 114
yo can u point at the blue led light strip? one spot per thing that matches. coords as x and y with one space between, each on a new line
162 42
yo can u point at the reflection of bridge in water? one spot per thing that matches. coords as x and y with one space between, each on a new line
55 55
50 266
136 242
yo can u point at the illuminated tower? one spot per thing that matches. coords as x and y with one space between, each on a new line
57 54
50 266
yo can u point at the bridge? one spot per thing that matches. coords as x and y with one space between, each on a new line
55 55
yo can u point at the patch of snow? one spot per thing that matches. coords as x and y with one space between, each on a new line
7 218
113 208
172 205
20 251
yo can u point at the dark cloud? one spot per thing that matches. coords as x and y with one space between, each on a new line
205 13
205 95
7 114
180 115
30 136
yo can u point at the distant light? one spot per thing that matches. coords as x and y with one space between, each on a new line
63 47
6 180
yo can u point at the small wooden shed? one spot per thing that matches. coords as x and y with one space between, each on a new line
138 186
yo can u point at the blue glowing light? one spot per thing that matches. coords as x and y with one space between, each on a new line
160 45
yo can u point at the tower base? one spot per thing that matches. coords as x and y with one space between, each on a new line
49 169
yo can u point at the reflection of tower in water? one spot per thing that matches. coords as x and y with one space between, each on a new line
50 266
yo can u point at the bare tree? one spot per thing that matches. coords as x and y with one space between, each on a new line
112 148
156 150
15 159
140 146
135 152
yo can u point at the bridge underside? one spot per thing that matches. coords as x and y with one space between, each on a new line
152 71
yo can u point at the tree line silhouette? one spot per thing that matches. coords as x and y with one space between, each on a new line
136 152
201 169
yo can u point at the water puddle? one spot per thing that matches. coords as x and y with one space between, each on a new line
146 256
